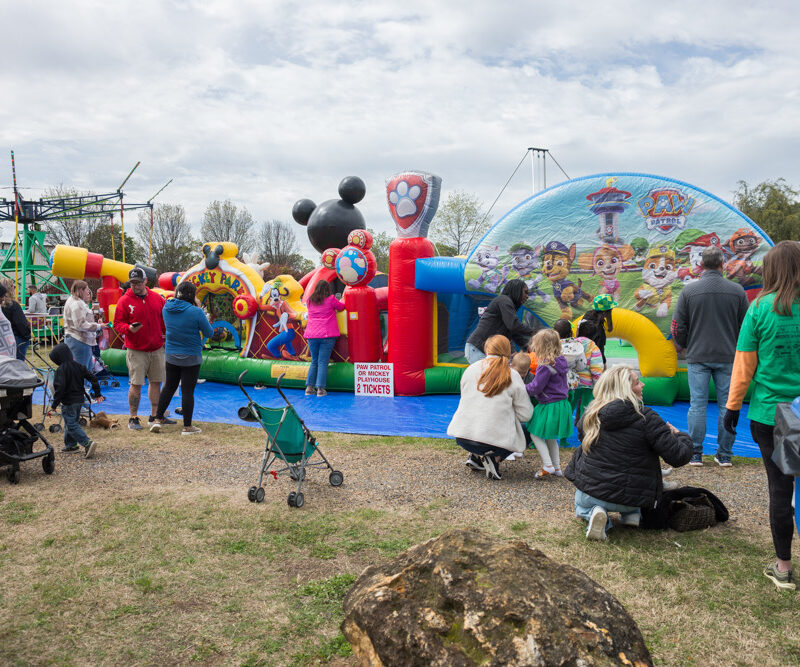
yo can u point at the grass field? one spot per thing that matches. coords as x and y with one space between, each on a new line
128 560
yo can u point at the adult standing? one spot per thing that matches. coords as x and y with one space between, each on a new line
16 317
492 407
767 354
185 325
79 325
37 302
500 318
8 346
322 330
708 317
139 321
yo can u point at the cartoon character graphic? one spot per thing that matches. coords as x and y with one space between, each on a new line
491 277
606 262
694 249
740 247
525 259
275 294
556 262
658 273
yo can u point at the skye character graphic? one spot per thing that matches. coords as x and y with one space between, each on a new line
605 262
491 277
740 248
556 262
526 259
658 273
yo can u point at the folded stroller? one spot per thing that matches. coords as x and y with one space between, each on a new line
17 435
290 446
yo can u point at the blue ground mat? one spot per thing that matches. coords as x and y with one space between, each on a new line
418 416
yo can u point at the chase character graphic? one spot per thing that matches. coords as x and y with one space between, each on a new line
526 259
658 273
556 262
740 248
606 262
275 294
491 277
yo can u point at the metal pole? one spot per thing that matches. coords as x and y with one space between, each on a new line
16 225
533 172
122 210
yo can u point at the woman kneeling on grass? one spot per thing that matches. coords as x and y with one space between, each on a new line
616 468
493 405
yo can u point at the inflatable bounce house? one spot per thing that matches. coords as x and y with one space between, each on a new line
635 237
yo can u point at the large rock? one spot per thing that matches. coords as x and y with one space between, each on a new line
468 599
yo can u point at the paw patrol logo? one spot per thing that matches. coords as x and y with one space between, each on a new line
413 198
665 209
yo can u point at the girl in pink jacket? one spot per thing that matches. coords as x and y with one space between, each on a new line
322 330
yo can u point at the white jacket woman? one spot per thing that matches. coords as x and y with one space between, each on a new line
79 325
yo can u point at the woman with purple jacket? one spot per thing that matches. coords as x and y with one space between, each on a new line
322 330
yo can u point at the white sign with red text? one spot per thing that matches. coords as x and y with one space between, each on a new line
374 379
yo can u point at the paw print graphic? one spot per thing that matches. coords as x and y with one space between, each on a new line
404 199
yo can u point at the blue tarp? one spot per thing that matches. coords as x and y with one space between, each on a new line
343 412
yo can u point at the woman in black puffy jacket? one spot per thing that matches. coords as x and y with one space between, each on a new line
617 466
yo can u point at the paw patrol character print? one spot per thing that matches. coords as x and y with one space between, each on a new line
694 249
740 248
355 265
525 259
606 262
556 264
658 273
413 197
491 277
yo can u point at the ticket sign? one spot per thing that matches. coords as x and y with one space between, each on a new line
374 379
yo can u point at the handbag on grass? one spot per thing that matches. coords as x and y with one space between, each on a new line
660 516
692 513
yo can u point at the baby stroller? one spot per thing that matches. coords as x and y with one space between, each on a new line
290 446
17 435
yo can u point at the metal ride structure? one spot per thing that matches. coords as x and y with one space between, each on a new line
27 259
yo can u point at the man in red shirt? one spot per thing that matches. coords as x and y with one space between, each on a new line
138 320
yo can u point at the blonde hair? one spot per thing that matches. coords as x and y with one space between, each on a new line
781 276
77 287
546 345
614 384
10 295
521 362
496 374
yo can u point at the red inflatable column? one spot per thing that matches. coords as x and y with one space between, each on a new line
410 317
363 324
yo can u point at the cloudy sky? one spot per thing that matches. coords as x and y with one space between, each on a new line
265 102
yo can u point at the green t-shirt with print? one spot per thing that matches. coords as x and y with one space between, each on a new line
776 338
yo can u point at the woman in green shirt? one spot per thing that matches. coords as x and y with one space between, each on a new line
768 353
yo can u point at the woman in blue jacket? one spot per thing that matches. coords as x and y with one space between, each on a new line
186 324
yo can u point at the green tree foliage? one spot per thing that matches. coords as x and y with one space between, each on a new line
174 248
380 248
99 241
773 206
224 221
460 223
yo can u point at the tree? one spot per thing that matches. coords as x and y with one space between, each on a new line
773 206
460 223
74 230
99 241
173 249
223 221
380 248
296 266
277 242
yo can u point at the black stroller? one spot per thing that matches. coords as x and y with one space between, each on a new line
17 435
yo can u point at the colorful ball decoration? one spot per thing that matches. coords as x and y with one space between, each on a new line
355 266
245 306
329 258
360 238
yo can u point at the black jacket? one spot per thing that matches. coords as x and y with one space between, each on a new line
69 377
19 323
500 317
622 465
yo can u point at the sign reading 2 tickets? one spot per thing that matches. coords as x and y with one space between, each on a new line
374 379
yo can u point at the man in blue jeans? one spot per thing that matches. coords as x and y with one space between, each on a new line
708 317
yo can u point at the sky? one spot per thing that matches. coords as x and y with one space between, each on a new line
265 102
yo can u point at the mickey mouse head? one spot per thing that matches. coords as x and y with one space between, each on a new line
330 223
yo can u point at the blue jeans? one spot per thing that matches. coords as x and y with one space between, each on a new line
482 449
73 433
584 504
321 349
699 375
472 353
81 352
22 347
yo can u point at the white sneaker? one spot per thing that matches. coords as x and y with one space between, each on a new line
666 472
190 430
490 468
155 427
597 524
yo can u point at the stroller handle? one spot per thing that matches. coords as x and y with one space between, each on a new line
241 386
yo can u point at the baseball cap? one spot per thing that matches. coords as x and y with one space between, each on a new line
137 273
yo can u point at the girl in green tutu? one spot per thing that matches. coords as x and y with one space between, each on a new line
552 417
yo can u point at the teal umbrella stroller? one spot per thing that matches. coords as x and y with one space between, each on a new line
289 449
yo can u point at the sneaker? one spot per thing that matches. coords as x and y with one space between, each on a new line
696 460
90 447
310 391
557 472
491 468
474 462
166 420
321 392
723 461
666 472
596 530
71 448
190 430
134 424
632 520
155 427
784 581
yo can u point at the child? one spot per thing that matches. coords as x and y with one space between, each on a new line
552 418
600 316
521 362
68 392
586 369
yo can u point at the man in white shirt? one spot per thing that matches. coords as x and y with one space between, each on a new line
37 302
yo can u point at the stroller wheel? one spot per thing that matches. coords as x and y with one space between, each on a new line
13 475
82 421
299 500
39 426
251 494
291 498
49 464
336 478
115 383
260 494
55 428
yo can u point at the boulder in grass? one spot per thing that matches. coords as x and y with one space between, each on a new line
465 598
